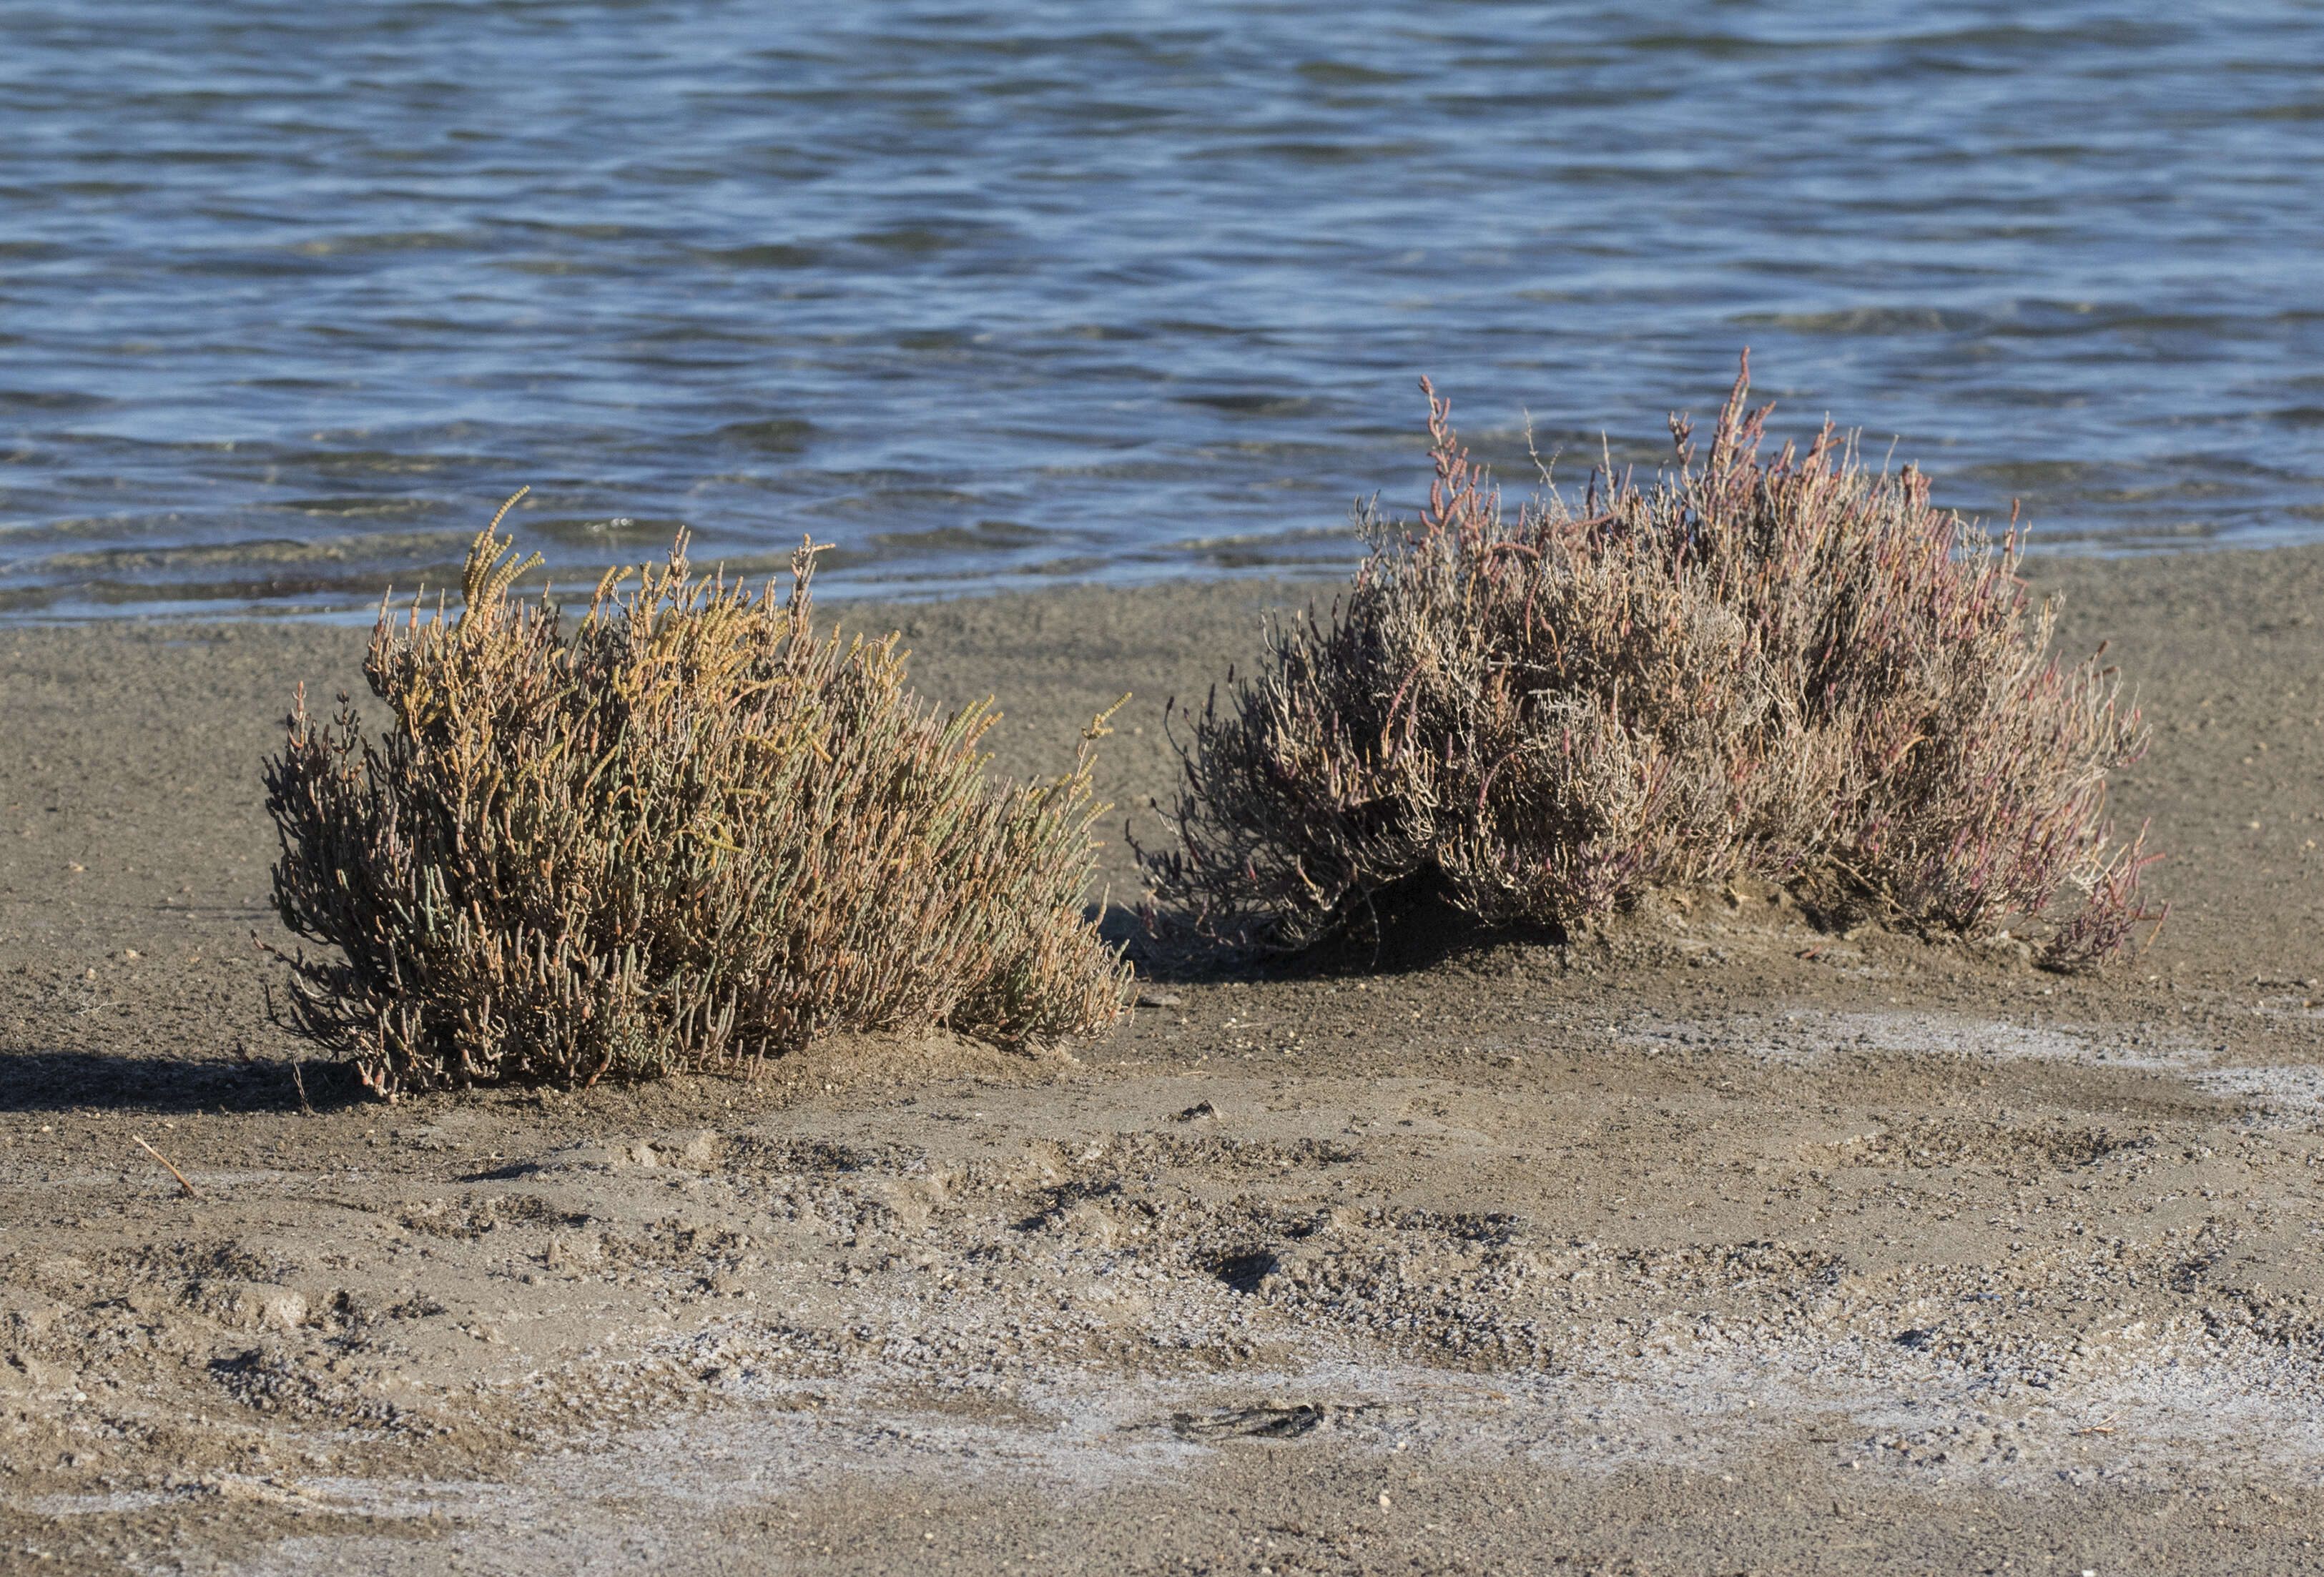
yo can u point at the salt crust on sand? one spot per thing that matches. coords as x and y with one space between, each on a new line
1912 1377
2285 1098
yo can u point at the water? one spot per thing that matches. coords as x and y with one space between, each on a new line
291 296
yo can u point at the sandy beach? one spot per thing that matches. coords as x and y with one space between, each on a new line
1713 1243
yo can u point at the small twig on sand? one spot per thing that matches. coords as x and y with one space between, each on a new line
2104 1426
165 1160
300 1081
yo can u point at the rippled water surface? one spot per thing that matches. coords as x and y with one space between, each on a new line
291 296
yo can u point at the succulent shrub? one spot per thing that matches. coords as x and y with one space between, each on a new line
691 835
1790 667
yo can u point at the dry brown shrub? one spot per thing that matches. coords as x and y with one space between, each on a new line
1794 668
692 835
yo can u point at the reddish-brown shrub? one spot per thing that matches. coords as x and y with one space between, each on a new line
1794 668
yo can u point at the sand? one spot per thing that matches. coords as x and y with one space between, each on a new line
1715 1244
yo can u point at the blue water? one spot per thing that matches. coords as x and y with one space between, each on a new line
292 295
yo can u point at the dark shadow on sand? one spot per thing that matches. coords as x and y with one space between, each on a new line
1410 928
37 1080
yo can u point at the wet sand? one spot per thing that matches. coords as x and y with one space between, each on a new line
1712 1245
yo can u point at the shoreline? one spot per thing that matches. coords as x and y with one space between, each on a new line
1715 1241
574 587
